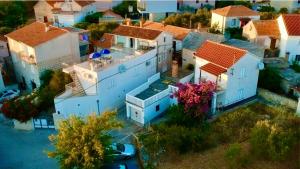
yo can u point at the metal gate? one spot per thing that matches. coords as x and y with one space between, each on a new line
45 122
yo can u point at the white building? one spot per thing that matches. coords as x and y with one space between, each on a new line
156 10
289 26
234 70
232 17
291 5
37 47
64 13
149 100
193 41
178 33
101 84
263 32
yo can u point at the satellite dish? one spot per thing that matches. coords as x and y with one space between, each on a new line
261 66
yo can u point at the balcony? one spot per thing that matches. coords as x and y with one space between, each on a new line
27 58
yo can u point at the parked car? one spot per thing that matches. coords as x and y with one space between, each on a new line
9 94
122 151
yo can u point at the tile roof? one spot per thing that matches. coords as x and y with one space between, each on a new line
35 34
220 54
179 33
267 28
292 24
109 12
106 41
136 32
81 3
213 69
235 10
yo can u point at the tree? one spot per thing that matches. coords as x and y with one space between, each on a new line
83 143
283 11
195 97
123 8
97 30
93 18
12 13
270 79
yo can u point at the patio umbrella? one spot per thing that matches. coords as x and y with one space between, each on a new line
94 55
105 51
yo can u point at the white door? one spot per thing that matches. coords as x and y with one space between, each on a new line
136 115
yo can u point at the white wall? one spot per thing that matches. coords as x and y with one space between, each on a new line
188 57
236 82
288 43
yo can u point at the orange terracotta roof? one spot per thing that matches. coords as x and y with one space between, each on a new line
35 34
82 3
3 38
213 69
179 33
236 10
137 32
292 24
220 54
267 28
109 12
106 41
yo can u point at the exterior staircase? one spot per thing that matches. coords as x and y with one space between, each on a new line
77 88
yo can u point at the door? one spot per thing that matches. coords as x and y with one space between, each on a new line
273 43
136 115
131 42
45 19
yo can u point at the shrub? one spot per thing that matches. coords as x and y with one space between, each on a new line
235 33
82 25
296 67
93 18
273 140
122 8
97 30
235 126
190 66
283 11
270 79
235 156
266 9
268 15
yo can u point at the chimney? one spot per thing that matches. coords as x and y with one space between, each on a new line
142 21
164 23
174 68
47 27
128 22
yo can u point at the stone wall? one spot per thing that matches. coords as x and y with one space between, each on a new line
277 99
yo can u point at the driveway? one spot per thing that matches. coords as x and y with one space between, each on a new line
24 149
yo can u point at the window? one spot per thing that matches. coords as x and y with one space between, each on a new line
197 1
233 22
164 39
297 58
243 73
157 108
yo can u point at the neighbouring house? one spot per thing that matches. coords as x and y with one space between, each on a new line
234 70
289 37
178 33
291 5
63 13
4 51
156 10
102 83
103 5
37 47
232 17
196 4
110 16
264 33
193 41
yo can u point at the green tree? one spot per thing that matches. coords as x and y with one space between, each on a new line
283 11
97 30
93 18
122 8
84 143
270 79
12 13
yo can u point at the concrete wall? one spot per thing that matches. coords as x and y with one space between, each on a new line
277 99
23 126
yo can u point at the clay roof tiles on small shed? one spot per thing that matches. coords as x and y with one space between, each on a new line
267 28
136 32
235 10
213 69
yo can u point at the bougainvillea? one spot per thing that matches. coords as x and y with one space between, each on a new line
195 97
21 109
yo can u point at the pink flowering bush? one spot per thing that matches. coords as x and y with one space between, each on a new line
195 97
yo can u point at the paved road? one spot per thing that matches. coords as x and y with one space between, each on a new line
24 149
